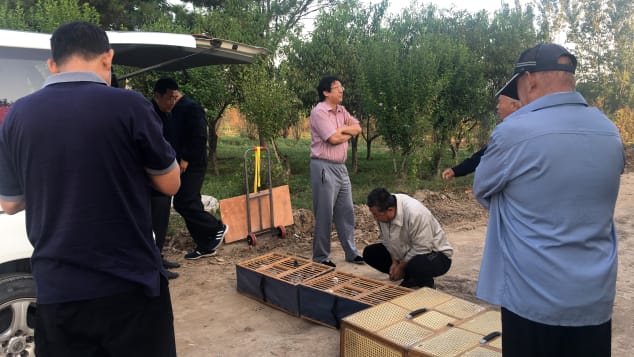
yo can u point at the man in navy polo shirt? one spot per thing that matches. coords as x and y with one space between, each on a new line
81 157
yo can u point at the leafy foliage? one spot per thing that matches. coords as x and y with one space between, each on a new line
267 103
45 15
422 81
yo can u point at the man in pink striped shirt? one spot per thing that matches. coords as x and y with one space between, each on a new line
331 127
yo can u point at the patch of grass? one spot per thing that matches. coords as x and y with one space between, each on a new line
376 172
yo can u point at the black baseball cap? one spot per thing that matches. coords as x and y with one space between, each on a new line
541 58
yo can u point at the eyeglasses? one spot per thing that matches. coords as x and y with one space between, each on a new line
337 87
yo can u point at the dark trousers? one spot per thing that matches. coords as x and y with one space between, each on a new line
126 324
201 225
420 270
526 338
160 218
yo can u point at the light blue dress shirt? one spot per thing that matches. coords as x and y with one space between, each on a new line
550 178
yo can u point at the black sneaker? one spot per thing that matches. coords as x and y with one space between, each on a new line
219 238
197 254
170 265
329 263
358 260
171 275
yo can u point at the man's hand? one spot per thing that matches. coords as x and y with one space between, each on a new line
397 270
183 164
448 174
12 207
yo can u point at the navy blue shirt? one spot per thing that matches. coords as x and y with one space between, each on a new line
79 152
186 130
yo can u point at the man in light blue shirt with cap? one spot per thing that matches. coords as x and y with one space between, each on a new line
550 178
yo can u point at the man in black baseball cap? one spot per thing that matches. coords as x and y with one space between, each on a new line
550 178
541 58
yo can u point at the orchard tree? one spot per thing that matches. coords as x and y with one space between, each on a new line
44 15
268 104
395 81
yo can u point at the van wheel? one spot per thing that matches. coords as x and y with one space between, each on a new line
17 315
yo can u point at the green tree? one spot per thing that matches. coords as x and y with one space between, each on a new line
591 32
128 14
622 93
600 33
113 14
440 88
13 17
461 97
269 104
394 63
44 15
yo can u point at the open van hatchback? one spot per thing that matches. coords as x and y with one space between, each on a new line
173 52
23 56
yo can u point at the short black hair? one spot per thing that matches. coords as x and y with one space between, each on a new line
78 38
381 198
162 85
324 85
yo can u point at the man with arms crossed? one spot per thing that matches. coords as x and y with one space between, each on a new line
331 127
83 171
550 177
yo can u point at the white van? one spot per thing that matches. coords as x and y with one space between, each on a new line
23 70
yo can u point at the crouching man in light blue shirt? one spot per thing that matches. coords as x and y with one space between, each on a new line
550 178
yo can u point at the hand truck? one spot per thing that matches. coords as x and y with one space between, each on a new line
259 196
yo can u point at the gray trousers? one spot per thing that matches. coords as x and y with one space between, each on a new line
332 200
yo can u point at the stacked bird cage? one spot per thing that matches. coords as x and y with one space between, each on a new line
423 323
274 279
329 298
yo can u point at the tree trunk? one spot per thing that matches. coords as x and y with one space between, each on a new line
212 139
354 162
455 149
213 145
261 138
368 138
368 146
282 159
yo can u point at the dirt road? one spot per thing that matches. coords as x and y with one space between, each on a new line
213 320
